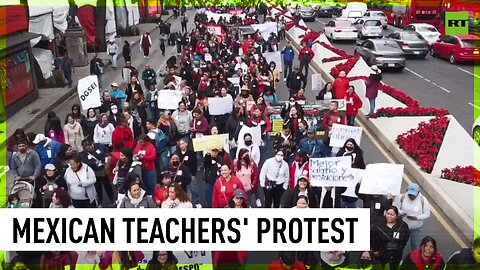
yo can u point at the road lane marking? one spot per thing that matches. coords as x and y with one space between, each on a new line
320 21
473 105
468 72
427 80
434 211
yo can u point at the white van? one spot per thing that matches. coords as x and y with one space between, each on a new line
356 6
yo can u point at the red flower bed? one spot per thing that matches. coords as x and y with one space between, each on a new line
335 58
467 175
333 49
423 143
399 95
347 66
409 111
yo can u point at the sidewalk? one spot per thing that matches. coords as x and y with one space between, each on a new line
49 98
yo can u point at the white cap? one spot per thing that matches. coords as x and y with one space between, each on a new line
151 135
50 167
39 138
114 84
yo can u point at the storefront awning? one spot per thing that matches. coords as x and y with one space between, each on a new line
16 39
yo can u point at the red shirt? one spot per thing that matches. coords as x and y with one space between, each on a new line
306 54
160 194
333 117
223 191
340 86
124 135
149 155
278 265
354 103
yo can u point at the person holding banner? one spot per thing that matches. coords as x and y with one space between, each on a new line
329 118
181 172
354 103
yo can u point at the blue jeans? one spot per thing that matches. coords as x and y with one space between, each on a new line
68 76
149 180
193 188
164 162
372 105
349 204
113 59
351 120
209 194
288 67
415 238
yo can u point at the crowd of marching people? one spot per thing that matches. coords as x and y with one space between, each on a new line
128 153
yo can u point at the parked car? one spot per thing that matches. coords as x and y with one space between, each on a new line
427 31
457 48
308 13
411 43
325 11
369 28
340 30
351 15
384 53
377 15
476 131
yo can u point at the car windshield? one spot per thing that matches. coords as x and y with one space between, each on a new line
470 43
378 14
373 23
387 46
343 24
427 28
411 36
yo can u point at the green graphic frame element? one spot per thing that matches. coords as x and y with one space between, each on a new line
456 30
476 115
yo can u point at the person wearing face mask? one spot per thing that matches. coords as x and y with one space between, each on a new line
274 179
181 172
330 260
247 171
301 132
351 148
298 168
114 114
253 150
364 260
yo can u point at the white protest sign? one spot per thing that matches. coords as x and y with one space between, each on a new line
234 80
169 99
317 82
89 92
127 75
331 172
199 260
214 30
382 178
256 133
357 177
220 105
265 29
275 57
178 80
341 133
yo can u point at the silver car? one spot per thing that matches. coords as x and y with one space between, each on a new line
369 28
384 53
377 15
308 13
411 43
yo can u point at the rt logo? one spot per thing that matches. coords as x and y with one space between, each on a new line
457 23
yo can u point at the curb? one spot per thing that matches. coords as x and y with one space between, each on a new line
72 90
459 218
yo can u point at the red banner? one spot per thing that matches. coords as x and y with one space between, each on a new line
15 21
19 78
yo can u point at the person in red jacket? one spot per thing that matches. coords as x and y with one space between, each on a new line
299 167
340 85
331 117
147 154
287 261
354 103
305 55
123 133
161 189
310 37
224 187
247 44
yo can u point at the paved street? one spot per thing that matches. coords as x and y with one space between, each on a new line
457 81
434 82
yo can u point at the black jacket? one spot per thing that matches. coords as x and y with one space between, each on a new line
377 206
99 153
381 235
189 160
462 260
182 175
296 81
212 168
233 126
290 196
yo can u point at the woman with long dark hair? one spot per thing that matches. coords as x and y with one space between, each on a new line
247 171
326 93
162 260
89 124
425 257
55 131
388 238
351 149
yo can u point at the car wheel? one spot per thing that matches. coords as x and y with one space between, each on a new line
433 53
452 59
476 135
385 27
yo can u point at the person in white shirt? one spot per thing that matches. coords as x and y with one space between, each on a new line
414 208
112 50
103 131
274 178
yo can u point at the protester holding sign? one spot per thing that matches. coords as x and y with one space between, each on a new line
331 117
